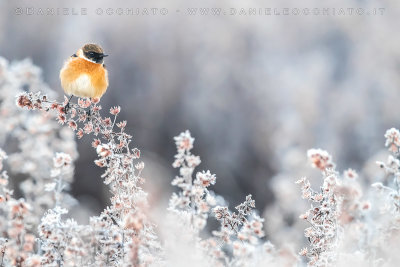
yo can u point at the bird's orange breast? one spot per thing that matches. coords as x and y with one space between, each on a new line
75 68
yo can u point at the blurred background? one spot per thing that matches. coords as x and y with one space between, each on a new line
256 91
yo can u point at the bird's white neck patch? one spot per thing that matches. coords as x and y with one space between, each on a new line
82 55
85 58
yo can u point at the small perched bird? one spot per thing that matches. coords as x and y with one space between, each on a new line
84 73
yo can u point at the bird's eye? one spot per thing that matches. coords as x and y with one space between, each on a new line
91 53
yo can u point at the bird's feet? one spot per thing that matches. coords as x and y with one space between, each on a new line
67 108
89 114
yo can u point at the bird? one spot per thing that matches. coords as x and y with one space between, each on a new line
84 73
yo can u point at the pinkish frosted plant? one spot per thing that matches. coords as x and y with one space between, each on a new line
194 197
392 169
190 208
37 136
336 216
60 240
239 240
17 240
323 214
241 234
122 230
387 237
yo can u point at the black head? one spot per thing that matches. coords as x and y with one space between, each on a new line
94 53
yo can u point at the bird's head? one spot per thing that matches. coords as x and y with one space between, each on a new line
92 52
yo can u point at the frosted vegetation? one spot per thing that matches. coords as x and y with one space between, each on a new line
343 219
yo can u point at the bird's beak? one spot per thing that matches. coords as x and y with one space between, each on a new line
105 55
